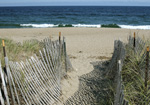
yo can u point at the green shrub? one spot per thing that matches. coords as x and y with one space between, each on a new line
110 26
67 25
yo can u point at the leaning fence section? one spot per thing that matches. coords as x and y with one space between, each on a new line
36 81
118 59
39 79
114 70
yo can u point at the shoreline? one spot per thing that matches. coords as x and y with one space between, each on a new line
70 27
46 25
36 33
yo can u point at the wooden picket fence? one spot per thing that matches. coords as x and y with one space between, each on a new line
37 81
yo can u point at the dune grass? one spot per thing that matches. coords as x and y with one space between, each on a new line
133 74
19 51
110 26
67 25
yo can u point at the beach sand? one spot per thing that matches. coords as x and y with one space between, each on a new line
84 45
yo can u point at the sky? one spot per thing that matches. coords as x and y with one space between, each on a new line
74 2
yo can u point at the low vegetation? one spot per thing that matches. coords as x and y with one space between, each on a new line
133 74
67 25
110 26
19 51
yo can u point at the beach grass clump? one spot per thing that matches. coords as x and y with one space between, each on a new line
110 26
19 51
133 74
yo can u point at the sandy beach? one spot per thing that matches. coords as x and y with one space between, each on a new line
84 45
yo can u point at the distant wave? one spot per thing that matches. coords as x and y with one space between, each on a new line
87 25
145 27
52 25
38 25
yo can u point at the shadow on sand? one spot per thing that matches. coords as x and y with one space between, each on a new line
94 88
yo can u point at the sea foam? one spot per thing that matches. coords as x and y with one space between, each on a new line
145 27
52 25
87 25
38 25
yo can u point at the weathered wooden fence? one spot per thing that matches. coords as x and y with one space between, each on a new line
114 69
37 81
119 96
137 47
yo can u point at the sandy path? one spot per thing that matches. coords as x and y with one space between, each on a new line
84 45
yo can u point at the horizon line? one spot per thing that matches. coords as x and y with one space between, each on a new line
77 5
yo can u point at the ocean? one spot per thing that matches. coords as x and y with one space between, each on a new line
74 16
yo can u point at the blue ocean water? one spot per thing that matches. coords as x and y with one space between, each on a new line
77 16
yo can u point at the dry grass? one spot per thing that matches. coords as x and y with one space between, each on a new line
19 51
134 77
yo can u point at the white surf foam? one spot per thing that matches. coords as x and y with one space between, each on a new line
52 25
38 25
145 27
87 25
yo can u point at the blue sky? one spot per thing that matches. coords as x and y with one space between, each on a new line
74 2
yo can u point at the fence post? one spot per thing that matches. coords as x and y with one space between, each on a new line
147 67
4 85
3 43
8 75
59 37
118 88
134 41
4 51
65 53
60 46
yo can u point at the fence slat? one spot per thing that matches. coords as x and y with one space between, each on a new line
4 85
1 97
9 80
